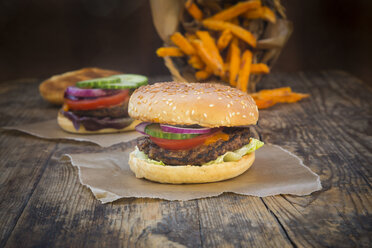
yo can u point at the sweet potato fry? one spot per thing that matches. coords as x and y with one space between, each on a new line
203 74
234 21
244 72
193 10
262 12
268 98
207 58
224 39
263 103
254 13
292 97
210 44
169 51
235 29
234 61
260 69
236 10
274 93
179 40
196 62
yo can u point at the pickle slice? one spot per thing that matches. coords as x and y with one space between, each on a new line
154 130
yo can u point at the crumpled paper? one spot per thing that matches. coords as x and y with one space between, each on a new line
275 171
51 130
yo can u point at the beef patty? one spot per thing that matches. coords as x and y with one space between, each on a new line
117 111
238 137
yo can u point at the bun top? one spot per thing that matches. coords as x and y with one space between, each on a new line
204 104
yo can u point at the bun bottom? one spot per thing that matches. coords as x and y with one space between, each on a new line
68 126
189 173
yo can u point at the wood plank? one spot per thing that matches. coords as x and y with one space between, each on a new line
233 220
331 132
62 212
23 157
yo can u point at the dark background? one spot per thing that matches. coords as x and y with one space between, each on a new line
46 37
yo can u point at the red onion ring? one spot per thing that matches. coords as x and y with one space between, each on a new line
141 127
174 129
78 92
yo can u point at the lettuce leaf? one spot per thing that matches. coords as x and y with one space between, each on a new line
253 145
141 155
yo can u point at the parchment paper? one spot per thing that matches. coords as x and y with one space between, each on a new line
51 130
275 171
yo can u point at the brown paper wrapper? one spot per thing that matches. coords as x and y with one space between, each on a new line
275 171
169 17
51 130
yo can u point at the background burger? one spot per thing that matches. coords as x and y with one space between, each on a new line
195 133
99 105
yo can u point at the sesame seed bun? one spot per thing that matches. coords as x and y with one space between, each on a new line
205 104
68 126
189 173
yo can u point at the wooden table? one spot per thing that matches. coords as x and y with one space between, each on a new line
43 204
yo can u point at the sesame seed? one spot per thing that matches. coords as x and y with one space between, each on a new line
211 105
174 108
244 116
205 115
198 97
220 98
170 104
228 105
164 112
187 112
192 112
237 113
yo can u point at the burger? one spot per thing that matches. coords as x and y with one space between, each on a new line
99 105
194 132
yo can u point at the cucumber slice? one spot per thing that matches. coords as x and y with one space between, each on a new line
97 82
122 81
154 130
132 79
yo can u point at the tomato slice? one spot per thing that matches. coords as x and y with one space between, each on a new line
100 102
184 144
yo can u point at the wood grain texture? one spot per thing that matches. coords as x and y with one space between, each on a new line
23 158
332 133
43 204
